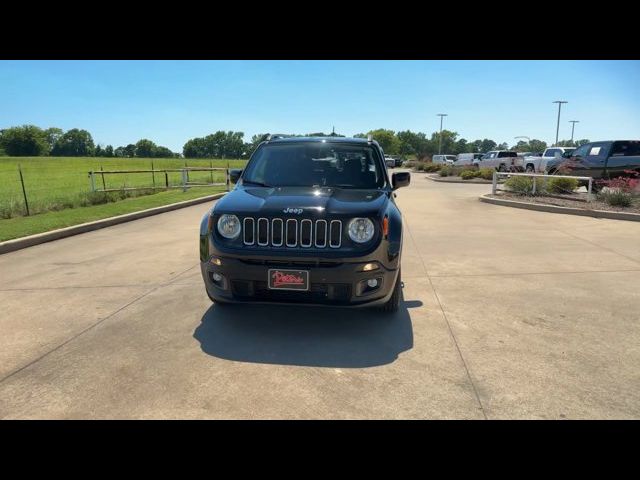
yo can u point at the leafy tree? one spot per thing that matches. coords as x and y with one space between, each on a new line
108 151
120 152
537 145
581 142
145 148
163 152
53 134
219 144
98 152
486 145
448 142
387 140
130 150
74 143
503 146
412 143
24 141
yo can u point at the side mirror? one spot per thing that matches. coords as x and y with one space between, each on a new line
400 179
234 174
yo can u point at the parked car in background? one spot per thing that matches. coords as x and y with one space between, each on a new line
501 160
532 163
467 158
450 159
390 161
599 160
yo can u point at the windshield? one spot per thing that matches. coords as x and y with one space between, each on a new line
315 164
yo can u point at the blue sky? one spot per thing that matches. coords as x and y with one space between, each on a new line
169 102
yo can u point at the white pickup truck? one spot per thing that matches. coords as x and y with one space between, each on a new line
537 164
501 160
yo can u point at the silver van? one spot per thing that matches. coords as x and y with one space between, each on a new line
450 159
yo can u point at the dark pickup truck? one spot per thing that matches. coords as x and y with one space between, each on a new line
599 160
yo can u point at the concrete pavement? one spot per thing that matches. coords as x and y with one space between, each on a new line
507 314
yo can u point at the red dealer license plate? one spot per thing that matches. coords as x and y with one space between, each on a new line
288 279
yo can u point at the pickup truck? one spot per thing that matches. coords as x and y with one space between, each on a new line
600 160
501 160
531 163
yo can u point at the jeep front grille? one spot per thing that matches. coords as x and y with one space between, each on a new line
291 232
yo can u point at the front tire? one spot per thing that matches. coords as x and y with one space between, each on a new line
394 302
529 168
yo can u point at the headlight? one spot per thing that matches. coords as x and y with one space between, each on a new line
229 226
360 230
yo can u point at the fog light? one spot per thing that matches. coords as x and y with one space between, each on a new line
370 266
217 277
216 261
372 283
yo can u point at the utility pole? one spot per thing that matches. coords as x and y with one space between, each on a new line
573 126
559 102
441 115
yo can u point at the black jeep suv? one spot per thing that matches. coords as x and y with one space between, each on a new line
310 221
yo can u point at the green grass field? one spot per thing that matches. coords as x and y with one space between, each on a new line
59 190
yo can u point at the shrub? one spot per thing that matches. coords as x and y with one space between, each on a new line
617 198
486 173
520 185
446 171
420 167
409 164
561 185
469 174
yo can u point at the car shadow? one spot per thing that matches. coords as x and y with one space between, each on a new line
306 336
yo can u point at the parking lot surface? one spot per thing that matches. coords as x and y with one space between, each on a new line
507 313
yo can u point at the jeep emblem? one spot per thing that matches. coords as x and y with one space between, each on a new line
297 211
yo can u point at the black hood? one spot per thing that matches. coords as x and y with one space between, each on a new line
314 202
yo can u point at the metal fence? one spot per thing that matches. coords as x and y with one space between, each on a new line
31 185
494 187
163 183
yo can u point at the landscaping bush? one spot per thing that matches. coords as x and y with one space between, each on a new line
520 185
446 171
469 174
486 173
430 167
617 198
561 185
419 167
409 164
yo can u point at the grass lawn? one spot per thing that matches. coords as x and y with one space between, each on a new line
23 226
58 189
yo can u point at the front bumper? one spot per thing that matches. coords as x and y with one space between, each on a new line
336 283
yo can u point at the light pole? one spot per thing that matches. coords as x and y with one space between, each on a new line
441 115
559 102
573 126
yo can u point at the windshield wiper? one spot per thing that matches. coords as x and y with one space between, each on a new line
259 184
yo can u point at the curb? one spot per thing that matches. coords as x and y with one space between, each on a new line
31 240
439 180
634 217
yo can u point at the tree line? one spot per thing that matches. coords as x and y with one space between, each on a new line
33 141
29 140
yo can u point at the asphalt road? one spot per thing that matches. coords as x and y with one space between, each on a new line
507 313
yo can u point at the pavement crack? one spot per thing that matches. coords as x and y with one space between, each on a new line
90 327
446 319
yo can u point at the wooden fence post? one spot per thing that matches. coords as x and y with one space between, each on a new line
24 191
